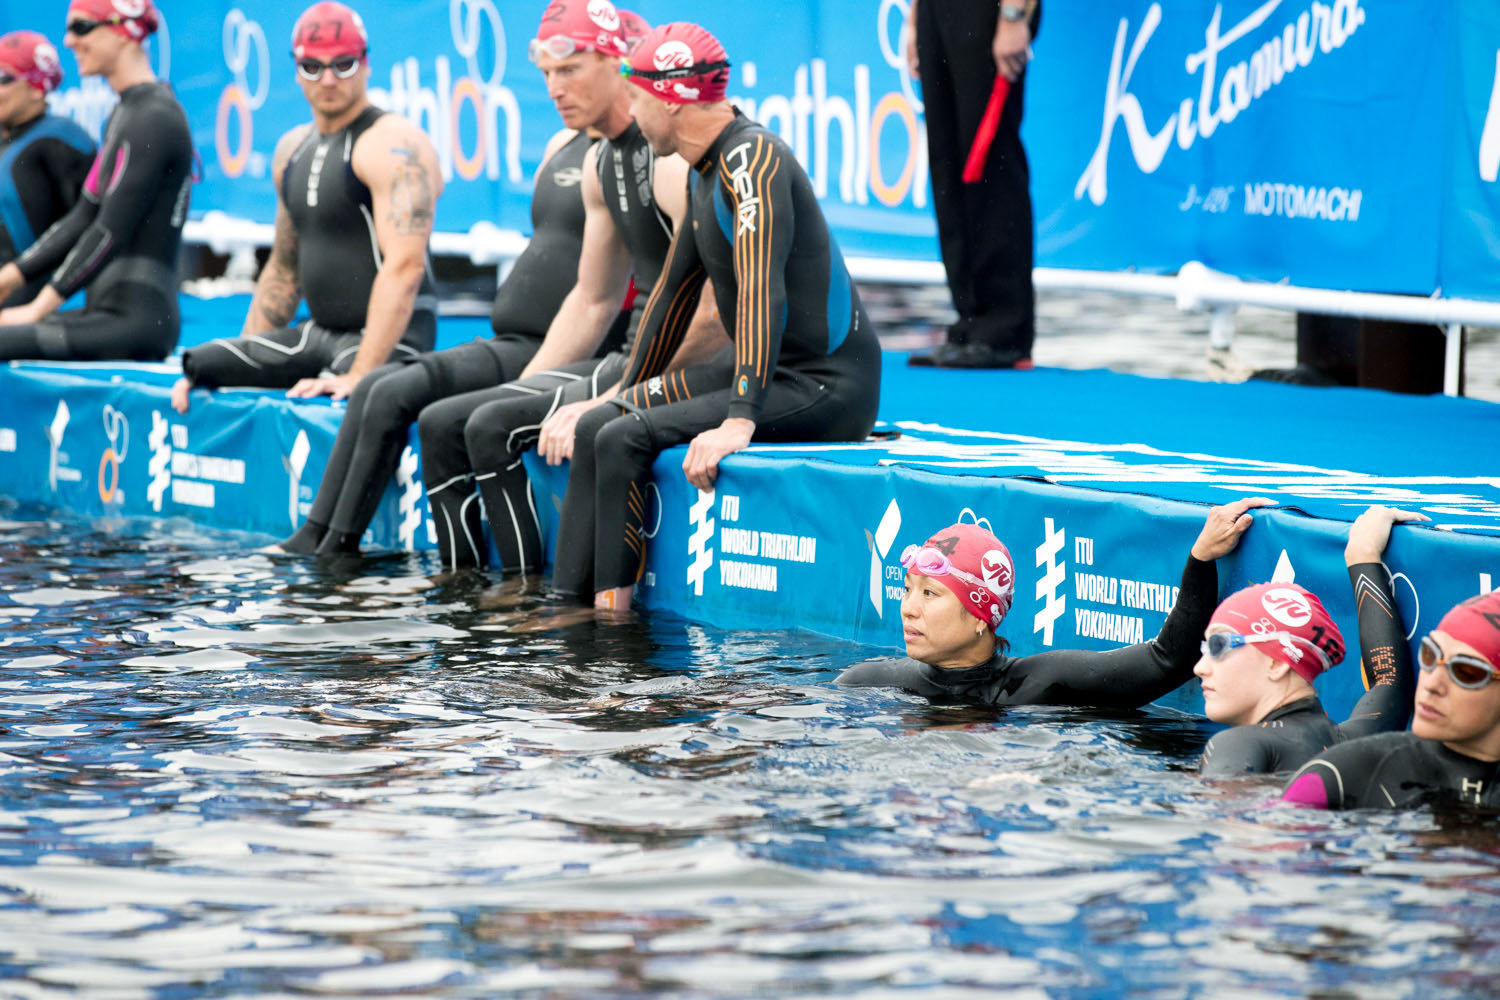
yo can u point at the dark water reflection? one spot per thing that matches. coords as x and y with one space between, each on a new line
226 776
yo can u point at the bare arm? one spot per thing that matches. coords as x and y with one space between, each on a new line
278 289
603 275
396 161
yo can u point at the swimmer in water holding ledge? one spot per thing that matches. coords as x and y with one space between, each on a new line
959 586
1267 643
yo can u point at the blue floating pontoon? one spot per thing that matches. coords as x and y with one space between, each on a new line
1097 482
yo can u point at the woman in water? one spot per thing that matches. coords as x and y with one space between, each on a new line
1452 754
959 585
1266 644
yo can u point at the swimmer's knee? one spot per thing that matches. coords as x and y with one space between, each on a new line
624 441
484 438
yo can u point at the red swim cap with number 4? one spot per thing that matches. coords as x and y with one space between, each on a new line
680 63
135 19
973 564
31 57
328 30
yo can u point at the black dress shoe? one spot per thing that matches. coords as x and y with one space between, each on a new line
970 356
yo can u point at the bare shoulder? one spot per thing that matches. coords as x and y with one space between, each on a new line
559 139
392 142
393 127
286 146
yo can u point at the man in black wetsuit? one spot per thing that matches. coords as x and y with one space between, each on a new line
44 158
1451 756
120 240
529 302
1265 645
634 201
959 585
806 364
356 190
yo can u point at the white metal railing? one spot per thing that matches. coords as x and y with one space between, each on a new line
1195 287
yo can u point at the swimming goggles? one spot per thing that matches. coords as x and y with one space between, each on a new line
556 46
929 561
6 79
676 72
1220 644
1466 671
343 67
81 26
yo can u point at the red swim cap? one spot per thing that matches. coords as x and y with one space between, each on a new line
680 63
633 28
135 19
31 57
328 30
1477 622
973 564
588 24
1288 610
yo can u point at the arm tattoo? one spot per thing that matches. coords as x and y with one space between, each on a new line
277 296
279 289
411 192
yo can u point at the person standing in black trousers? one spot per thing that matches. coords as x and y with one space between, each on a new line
955 48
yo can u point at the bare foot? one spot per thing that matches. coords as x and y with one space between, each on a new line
180 393
541 621
272 550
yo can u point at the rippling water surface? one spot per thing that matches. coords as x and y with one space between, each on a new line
223 775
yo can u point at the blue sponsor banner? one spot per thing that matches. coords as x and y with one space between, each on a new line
808 544
99 440
1347 144
1267 139
825 75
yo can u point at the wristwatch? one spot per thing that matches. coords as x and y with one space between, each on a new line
1009 13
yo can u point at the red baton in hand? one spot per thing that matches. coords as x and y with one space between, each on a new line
980 151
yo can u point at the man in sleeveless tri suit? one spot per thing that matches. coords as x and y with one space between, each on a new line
356 189
530 302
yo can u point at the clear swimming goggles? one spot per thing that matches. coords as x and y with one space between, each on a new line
929 561
1466 671
1220 644
556 46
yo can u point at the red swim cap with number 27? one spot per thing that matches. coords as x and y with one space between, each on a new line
327 31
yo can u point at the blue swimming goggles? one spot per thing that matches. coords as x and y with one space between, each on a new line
1220 644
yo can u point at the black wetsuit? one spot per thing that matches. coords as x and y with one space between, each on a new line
477 439
1294 734
386 401
338 257
1394 771
43 164
806 365
119 241
1118 678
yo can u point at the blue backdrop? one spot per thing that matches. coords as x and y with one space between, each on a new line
1349 144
